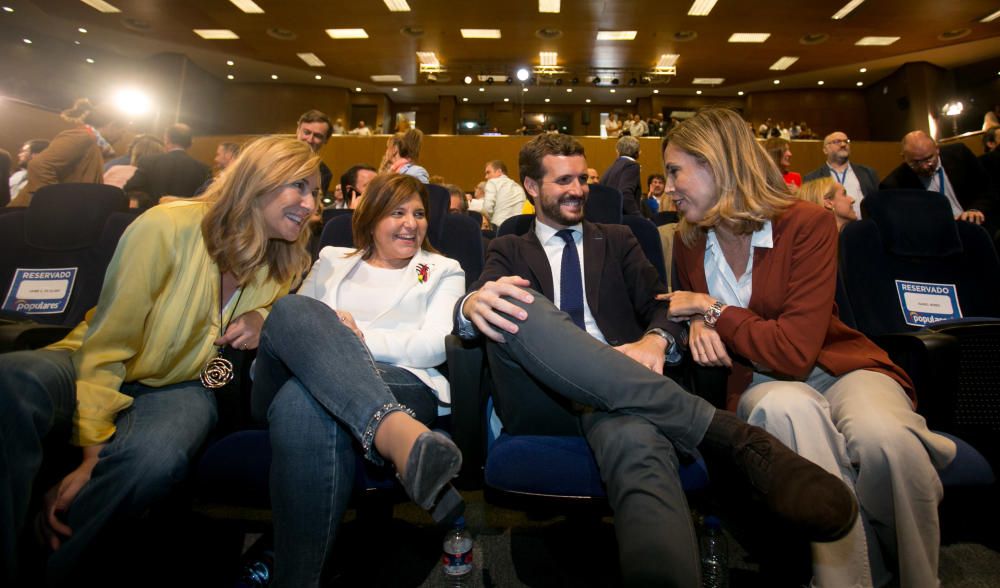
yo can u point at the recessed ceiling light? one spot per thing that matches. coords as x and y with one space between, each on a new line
749 37
27 41
863 70
76 42
506 99
667 60
357 89
569 90
482 89
860 84
274 76
776 82
547 58
428 58
395 89
101 6
701 7
656 91
524 89
877 41
8 9
587 100
628 101
612 90
467 79
318 77
311 59
90 60
615 35
387 78
523 74
847 8
347 33
550 6
247 6
465 99
698 92
740 93
989 18
82 30
216 34
230 77
481 33
708 81
230 63
548 100
783 63
397 5
820 83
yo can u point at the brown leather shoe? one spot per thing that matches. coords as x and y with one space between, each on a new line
798 491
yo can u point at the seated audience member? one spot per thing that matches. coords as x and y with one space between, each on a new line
354 182
171 173
436 179
350 361
458 205
314 128
75 155
831 196
592 176
623 175
655 189
503 197
820 387
402 151
953 171
780 151
860 181
5 164
187 280
119 175
992 117
361 130
990 160
225 153
554 344
338 127
20 177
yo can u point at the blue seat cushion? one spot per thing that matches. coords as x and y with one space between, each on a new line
969 468
558 466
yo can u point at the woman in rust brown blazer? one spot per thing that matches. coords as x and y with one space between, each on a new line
757 272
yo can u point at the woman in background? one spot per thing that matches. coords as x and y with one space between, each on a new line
780 151
402 153
830 195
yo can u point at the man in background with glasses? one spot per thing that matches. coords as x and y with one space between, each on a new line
858 180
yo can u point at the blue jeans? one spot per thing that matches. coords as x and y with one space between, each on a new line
149 453
322 391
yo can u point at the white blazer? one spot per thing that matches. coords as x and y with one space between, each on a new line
410 332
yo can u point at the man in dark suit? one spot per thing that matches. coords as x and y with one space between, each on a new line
990 160
859 181
173 173
952 170
623 175
314 129
571 318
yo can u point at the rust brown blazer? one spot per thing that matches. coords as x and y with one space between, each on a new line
791 324
72 157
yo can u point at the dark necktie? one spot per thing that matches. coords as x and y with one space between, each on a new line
570 281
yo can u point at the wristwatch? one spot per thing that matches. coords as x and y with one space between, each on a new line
663 335
713 313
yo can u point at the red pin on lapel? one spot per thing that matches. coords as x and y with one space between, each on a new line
422 270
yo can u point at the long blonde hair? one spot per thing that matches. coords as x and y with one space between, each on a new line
750 186
234 229
818 190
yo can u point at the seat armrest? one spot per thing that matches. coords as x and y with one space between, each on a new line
18 336
932 362
466 366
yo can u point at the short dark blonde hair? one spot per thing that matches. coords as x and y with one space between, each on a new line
750 187
384 194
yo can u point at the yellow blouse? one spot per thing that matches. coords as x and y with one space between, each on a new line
156 318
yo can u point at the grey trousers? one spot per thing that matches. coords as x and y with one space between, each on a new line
632 418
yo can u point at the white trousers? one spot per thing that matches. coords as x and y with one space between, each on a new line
862 427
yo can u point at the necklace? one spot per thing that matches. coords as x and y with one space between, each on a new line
219 371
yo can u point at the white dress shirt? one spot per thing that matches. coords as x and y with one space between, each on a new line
851 185
722 282
933 184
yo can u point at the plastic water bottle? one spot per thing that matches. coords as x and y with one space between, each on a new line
714 554
457 557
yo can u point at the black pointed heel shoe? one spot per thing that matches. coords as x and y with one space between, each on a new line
434 460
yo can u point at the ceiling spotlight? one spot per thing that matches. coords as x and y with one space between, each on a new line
645 80
506 99
482 89
587 100
468 79
820 83
510 80
612 90
548 100
319 77
859 84
524 89
740 93
656 91
523 74
230 77
863 70
91 60
82 30
597 80
633 82
357 89
569 90
274 76
465 99
230 63
628 101
698 92
614 82
395 89
776 82
489 80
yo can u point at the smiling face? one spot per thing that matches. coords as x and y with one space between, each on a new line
656 187
842 205
786 160
399 235
837 148
689 184
562 193
313 134
287 208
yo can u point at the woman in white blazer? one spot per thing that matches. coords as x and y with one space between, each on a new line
352 358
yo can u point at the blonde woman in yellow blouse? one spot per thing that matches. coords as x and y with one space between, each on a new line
187 279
